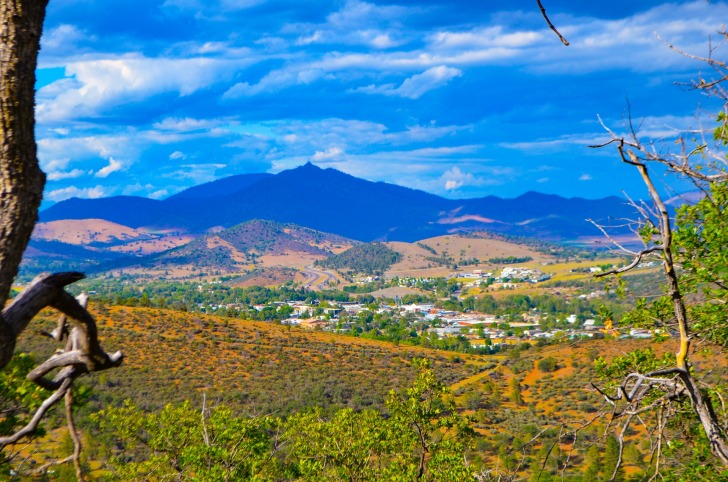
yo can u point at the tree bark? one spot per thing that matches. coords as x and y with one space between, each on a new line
21 180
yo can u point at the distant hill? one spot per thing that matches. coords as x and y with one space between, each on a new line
98 246
366 258
244 243
57 256
331 201
87 232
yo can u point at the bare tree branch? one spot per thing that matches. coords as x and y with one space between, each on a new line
82 353
551 25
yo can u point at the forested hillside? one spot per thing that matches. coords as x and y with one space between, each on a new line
369 258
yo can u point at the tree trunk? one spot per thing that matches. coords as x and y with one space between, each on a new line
21 180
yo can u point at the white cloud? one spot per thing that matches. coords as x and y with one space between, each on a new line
198 173
452 184
585 177
455 178
112 167
56 153
331 153
484 37
159 194
417 85
73 191
59 175
185 124
62 39
277 80
177 155
313 38
102 83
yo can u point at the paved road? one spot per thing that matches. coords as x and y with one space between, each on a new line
316 278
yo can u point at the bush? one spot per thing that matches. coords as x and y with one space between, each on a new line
548 364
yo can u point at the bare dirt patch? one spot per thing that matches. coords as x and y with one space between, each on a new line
86 231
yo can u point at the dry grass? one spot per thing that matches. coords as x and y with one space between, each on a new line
415 263
85 231
152 246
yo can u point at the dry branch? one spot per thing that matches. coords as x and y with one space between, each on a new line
551 25
82 353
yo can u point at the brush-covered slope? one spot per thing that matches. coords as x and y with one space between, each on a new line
257 367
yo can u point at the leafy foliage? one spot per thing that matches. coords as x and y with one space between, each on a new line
424 438
702 241
181 443
367 258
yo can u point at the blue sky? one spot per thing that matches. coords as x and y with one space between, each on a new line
457 98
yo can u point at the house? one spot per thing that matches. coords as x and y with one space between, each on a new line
590 324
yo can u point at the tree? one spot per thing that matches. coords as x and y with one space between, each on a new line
515 391
423 438
21 191
691 247
181 443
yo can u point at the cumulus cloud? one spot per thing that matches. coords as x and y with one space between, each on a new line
60 175
455 178
159 194
95 85
177 155
330 153
112 167
73 191
585 177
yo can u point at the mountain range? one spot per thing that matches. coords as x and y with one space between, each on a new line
334 202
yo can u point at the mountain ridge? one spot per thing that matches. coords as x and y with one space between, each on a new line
331 201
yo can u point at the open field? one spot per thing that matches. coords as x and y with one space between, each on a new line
86 231
415 260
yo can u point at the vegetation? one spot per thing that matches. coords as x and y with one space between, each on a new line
677 399
331 406
423 438
510 260
369 258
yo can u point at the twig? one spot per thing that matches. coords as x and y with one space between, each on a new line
551 25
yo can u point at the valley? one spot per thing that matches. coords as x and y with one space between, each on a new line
272 318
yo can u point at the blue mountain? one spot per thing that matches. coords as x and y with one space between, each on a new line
332 201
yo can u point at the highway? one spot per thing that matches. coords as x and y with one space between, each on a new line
316 279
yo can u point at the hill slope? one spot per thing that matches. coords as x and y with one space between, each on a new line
256 366
248 241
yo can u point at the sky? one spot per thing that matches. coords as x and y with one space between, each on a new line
461 99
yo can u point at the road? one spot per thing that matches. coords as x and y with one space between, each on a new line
315 278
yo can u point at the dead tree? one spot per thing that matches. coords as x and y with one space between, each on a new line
659 391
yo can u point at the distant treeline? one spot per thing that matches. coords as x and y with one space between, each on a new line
367 258
510 260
